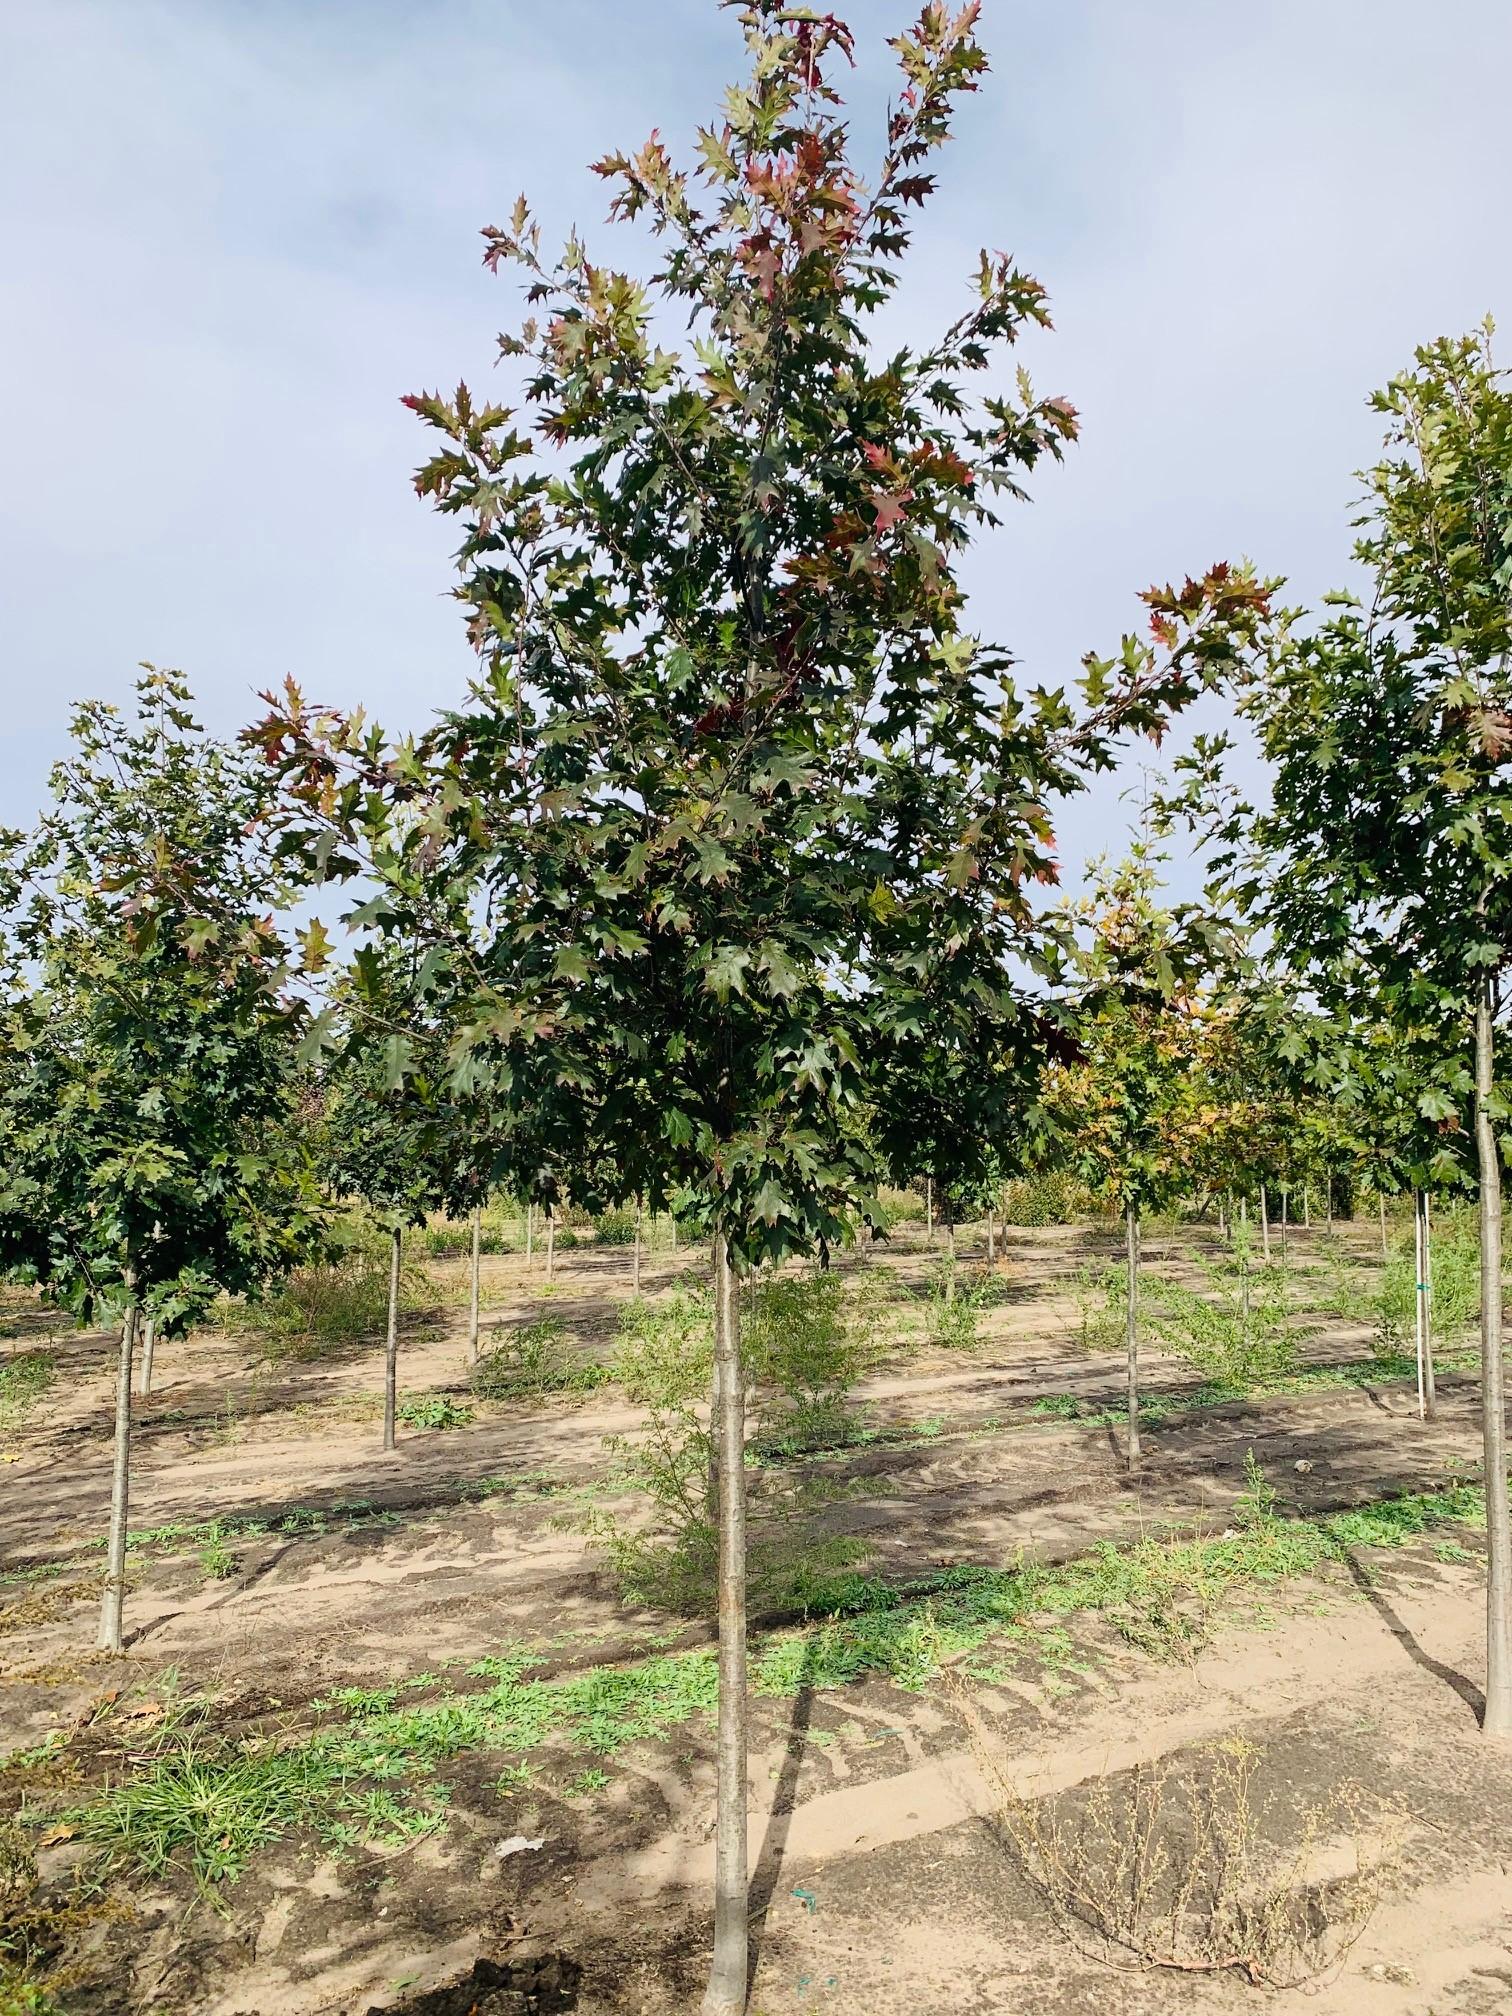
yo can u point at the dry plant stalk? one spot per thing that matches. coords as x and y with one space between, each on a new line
1158 1867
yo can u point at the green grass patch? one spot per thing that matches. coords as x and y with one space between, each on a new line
25 1377
433 1410
368 1771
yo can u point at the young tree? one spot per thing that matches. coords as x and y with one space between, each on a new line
149 1072
1382 864
1121 1108
393 1134
739 805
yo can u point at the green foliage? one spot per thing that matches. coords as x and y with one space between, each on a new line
811 1338
338 1301
957 1300
535 1360
664 1361
148 1145
1455 1283
1049 1197
25 1377
433 1410
207 1804
1210 1329
1380 864
218 1562
724 866
898 1207
615 1228
500 1231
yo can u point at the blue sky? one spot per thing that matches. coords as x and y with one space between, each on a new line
238 230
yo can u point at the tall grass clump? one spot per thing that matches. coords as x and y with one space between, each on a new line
532 1361
807 1340
341 1300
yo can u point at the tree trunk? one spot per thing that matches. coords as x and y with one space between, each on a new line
991 1237
472 1280
550 1242
1244 1289
636 1261
727 1980
1328 1201
391 1352
1264 1227
1430 1394
1284 1198
1385 1244
1498 1719
114 1600
929 1209
529 1231
1421 1278
149 1342
1131 1309
1307 1207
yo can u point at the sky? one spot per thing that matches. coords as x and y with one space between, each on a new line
237 231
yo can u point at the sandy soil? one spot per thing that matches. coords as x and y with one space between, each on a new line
883 1881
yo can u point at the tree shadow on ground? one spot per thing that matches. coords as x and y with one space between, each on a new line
1460 1684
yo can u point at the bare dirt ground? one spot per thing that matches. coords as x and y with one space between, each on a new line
884 1880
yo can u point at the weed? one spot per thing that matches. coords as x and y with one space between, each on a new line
24 1378
956 1302
615 1228
334 1303
217 1562
811 1337
433 1410
585 1782
533 1362
1052 1198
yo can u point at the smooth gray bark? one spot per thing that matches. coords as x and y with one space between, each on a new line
391 1351
113 1602
472 1280
1498 1718
636 1262
149 1343
726 1994
1131 1316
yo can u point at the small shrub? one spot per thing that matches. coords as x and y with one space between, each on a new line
218 1563
1210 1330
1054 1197
956 1302
615 1228
664 1360
810 1337
24 1378
899 1207
340 1301
433 1410
534 1360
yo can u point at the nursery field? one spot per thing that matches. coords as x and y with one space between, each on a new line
381 1717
